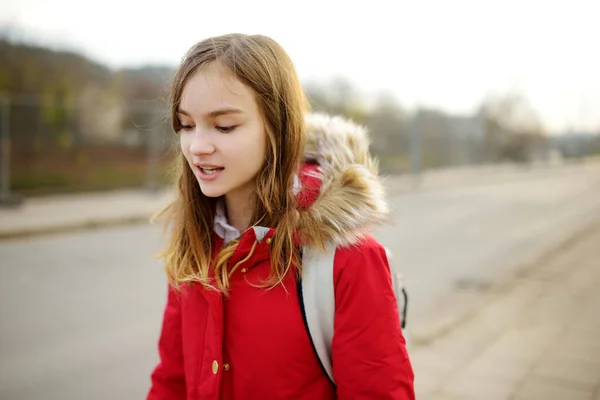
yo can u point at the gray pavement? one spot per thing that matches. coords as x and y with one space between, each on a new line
535 340
456 241
80 314
81 309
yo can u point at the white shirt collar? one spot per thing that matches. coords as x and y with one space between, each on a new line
222 228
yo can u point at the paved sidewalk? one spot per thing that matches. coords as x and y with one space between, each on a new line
538 338
76 211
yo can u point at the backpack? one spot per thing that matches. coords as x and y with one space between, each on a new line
317 300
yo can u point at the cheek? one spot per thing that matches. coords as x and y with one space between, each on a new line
185 145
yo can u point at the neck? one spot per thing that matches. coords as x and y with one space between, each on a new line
239 211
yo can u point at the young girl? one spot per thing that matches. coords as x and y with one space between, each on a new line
259 182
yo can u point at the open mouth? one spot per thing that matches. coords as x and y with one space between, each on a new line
210 171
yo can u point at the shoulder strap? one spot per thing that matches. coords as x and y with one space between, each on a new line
317 300
399 290
317 293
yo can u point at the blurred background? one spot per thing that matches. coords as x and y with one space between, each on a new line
485 117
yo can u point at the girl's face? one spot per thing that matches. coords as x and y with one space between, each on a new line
223 137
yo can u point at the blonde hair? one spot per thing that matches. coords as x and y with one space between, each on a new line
262 64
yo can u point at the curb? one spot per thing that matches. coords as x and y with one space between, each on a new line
83 225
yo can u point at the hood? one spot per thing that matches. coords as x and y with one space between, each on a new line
351 200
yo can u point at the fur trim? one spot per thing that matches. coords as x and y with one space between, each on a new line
352 199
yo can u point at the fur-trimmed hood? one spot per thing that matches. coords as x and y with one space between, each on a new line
351 200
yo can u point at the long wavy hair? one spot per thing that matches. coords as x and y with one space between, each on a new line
261 64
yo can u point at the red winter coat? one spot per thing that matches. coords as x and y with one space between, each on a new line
253 344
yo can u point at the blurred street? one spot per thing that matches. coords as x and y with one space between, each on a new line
81 310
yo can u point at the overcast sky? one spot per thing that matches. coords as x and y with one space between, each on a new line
444 54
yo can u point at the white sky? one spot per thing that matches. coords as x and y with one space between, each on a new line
445 54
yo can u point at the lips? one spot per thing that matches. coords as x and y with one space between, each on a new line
208 172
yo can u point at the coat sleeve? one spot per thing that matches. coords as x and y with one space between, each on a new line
168 379
369 354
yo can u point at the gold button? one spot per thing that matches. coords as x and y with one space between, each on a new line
226 367
215 367
269 240
244 270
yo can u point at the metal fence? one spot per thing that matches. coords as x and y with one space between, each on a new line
51 146
428 140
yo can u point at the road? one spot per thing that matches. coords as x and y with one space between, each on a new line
81 312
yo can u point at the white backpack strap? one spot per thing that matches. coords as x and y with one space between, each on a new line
399 290
318 294
317 299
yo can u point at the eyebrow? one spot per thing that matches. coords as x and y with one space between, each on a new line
215 113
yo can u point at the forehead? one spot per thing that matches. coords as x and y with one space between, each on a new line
214 87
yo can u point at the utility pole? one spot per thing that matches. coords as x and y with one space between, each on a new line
415 150
6 197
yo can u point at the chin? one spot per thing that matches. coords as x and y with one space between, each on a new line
211 191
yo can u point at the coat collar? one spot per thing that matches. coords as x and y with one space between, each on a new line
350 199
340 196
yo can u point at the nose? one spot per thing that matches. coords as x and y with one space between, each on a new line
202 143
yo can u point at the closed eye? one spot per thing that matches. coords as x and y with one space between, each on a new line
225 129
186 128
